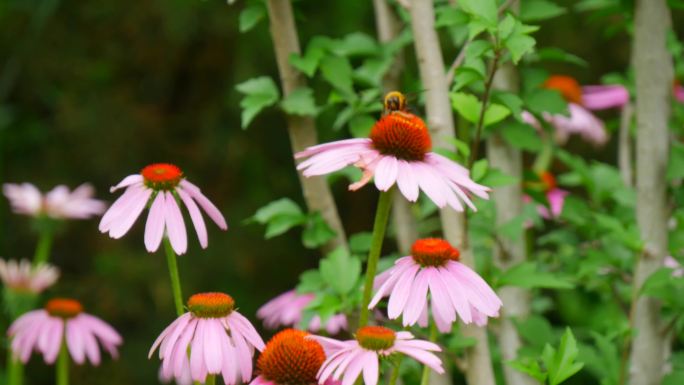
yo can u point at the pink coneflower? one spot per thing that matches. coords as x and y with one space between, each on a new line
555 197
348 359
162 186
62 321
287 310
433 268
290 359
397 151
221 341
677 269
58 203
22 276
580 101
678 91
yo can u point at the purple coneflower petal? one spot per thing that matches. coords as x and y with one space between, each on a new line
175 225
195 216
602 97
208 207
386 173
128 181
154 227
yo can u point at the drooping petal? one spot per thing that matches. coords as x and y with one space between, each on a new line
196 217
175 225
407 180
386 172
154 227
601 97
205 204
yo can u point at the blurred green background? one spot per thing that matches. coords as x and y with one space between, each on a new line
92 91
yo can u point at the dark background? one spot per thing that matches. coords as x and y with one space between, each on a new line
92 91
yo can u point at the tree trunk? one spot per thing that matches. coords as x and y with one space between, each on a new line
625 145
302 130
441 122
509 251
653 72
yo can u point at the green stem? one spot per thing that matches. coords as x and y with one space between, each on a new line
483 109
63 366
425 379
175 277
43 248
15 369
379 227
395 373
211 380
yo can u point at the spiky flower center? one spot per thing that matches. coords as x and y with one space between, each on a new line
162 176
211 305
433 252
403 135
291 359
376 337
63 307
567 86
548 180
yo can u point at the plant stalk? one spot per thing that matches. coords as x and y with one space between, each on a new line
175 277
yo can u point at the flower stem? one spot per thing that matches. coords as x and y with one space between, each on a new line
425 379
211 380
15 369
63 366
379 227
395 373
43 248
175 278
483 109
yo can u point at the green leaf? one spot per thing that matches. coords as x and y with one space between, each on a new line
316 232
360 243
479 169
510 101
338 72
300 102
674 378
497 178
675 167
448 16
535 330
522 136
340 271
478 48
360 125
465 76
530 367
259 93
563 365
280 224
251 16
526 275
534 10
310 281
484 9
469 107
557 54
283 206
551 101
307 63
355 44
518 45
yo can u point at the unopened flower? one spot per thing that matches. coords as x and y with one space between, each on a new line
23 277
62 321
221 341
290 359
397 152
287 309
347 360
433 268
580 101
58 203
162 186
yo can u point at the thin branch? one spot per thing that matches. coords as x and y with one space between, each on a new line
485 101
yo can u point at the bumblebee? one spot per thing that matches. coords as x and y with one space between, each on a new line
394 101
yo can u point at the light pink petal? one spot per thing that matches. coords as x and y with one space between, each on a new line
177 358
172 331
356 366
154 227
123 223
119 207
407 181
196 217
479 294
53 341
75 342
417 299
602 97
422 356
556 198
370 369
332 145
175 225
395 272
246 329
679 93
230 357
581 121
208 207
333 160
401 292
457 296
442 308
332 361
530 119
386 173
197 366
212 346
24 198
89 342
128 181
431 184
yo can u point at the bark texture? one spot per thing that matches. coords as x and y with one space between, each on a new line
302 130
388 27
653 71
625 145
441 122
509 252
